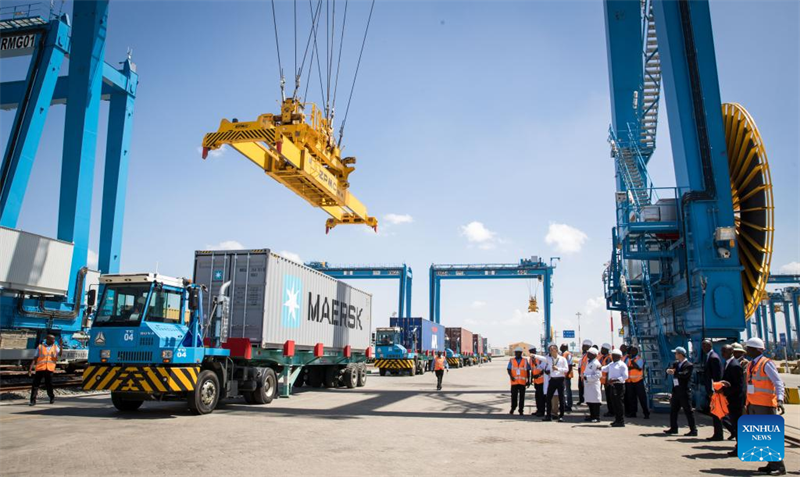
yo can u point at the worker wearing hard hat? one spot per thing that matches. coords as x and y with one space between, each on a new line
764 391
44 363
587 344
519 371
635 392
439 367
591 388
605 360
538 383
616 375
681 373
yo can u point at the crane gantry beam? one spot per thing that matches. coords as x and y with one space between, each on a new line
302 155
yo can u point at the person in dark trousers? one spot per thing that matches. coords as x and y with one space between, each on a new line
555 368
732 380
519 371
635 391
439 367
712 372
616 375
587 344
538 383
591 375
605 360
568 379
44 363
681 374
740 354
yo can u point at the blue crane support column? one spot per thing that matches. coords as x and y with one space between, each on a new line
764 325
51 46
80 132
773 322
788 320
691 91
796 308
120 122
748 327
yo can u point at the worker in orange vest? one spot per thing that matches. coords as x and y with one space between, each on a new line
605 360
764 391
568 381
538 383
587 344
439 367
519 371
44 362
634 387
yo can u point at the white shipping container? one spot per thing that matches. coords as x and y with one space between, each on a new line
274 299
34 264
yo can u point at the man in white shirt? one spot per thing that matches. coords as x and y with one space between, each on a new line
616 375
555 369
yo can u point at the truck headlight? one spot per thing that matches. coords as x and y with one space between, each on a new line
166 354
105 353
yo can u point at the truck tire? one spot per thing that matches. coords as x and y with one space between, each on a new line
301 378
267 389
413 370
422 366
330 377
351 377
314 376
382 371
205 396
362 375
125 405
248 397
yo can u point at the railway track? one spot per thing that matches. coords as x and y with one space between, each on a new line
66 383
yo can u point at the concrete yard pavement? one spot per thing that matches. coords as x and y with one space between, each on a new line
396 425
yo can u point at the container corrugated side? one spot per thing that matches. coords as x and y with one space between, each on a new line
33 263
429 335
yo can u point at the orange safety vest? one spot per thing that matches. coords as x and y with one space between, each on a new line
634 375
568 356
538 374
584 362
46 361
764 389
519 371
603 362
438 364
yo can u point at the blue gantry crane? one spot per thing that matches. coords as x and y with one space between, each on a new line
527 268
689 261
786 301
402 273
45 282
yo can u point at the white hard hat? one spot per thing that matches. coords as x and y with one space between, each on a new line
518 349
606 346
617 352
593 350
587 342
757 343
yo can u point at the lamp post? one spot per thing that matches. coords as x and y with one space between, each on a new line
580 342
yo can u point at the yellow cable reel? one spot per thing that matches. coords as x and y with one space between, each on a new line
753 209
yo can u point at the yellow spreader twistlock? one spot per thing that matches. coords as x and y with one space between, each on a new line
751 187
302 156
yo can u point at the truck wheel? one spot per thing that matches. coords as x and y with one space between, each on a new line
351 377
382 371
301 377
248 397
330 379
422 366
314 376
125 405
265 393
205 396
362 376
413 370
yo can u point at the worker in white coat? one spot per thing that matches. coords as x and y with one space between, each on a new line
590 375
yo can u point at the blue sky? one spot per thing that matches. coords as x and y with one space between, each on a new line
481 126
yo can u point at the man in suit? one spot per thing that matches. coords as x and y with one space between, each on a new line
712 372
732 380
681 373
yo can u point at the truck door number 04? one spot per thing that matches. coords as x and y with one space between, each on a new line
128 336
181 353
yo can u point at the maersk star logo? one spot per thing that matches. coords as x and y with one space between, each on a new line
292 301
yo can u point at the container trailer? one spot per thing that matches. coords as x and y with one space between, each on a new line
267 325
407 345
459 347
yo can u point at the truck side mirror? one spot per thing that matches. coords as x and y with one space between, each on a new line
91 296
194 299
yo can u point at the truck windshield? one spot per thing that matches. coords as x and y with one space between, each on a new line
384 338
122 305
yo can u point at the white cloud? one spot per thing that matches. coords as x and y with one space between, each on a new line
565 238
226 245
290 256
397 219
478 304
214 153
477 233
594 304
791 268
91 259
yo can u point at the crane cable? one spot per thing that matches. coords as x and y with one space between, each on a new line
299 71
355 76
278 48
339 62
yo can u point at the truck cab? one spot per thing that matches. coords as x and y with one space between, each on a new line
392 353
146 343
